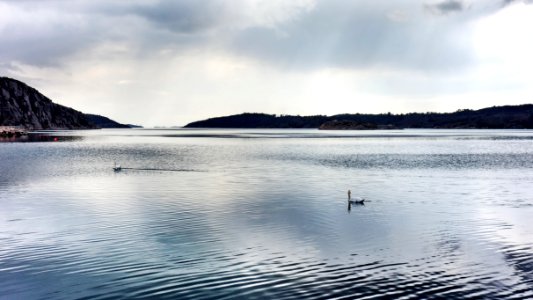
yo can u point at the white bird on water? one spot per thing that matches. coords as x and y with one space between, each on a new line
117 168
355 200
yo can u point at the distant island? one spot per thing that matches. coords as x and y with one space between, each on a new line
25 107
497 117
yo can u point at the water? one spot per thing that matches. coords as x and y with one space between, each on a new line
215 214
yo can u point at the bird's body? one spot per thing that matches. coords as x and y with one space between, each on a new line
357 200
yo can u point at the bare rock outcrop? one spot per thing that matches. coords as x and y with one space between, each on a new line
22 105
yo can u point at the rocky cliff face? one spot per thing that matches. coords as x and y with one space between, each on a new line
21 105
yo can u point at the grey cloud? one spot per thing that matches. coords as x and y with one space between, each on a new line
507 2
345 36
187 17
47 47
446 7
78 26
335 33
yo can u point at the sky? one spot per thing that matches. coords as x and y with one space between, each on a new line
171 62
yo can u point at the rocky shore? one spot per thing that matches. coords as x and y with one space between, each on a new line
353 125
347 125
12 131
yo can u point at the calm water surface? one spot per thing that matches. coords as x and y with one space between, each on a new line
215 214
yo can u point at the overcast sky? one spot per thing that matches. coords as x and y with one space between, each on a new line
164 62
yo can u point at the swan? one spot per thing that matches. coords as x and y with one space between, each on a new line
355 200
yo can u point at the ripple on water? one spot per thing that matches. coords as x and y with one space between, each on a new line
446 219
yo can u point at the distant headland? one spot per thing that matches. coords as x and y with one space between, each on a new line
496 117
24 107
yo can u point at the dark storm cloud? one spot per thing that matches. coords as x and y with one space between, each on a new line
333 33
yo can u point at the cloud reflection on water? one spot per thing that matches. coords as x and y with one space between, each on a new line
259 222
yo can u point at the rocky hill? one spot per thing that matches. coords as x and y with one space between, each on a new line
22 105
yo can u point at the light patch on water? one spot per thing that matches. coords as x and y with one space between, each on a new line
447 215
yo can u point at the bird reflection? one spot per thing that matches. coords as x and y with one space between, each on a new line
356 203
